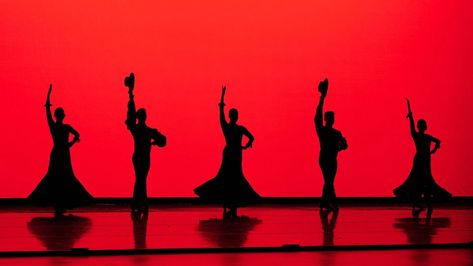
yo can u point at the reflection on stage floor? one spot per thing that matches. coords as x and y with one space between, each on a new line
105 227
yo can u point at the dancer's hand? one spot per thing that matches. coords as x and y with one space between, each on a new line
343 145
155 143
323 87
222 98
248 145
409 112
130 82
48 99
74 141
434 150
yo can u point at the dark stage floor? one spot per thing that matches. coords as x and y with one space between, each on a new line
266 234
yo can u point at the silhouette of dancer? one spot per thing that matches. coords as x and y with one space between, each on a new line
143 137
420 185
60 188
230 185
331 142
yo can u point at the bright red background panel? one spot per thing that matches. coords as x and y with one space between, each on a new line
271 55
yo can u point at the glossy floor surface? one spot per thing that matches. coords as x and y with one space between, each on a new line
461 257
113 227
181 226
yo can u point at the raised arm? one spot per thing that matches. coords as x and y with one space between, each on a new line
131 112
250 137
411 119
49 115
318 119
221 105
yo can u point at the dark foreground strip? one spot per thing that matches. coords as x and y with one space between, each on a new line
176 251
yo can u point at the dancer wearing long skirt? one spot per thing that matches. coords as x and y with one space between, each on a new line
420 187
60 188
230 186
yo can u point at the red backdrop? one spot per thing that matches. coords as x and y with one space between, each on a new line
271 55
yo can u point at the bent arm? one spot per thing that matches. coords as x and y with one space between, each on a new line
437 144
343 144
131 112
158 138
250 137
75 134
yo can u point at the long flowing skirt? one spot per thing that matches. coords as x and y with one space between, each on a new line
420 182
229 187
59 187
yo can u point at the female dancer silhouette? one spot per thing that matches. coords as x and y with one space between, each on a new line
420 184
230 186
60 188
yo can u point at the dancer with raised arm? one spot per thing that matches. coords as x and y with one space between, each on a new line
60 188
331 142
420 187
143 137
230 186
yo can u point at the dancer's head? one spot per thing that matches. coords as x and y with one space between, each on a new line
329 118
233 115
141 115
59 114
421 125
